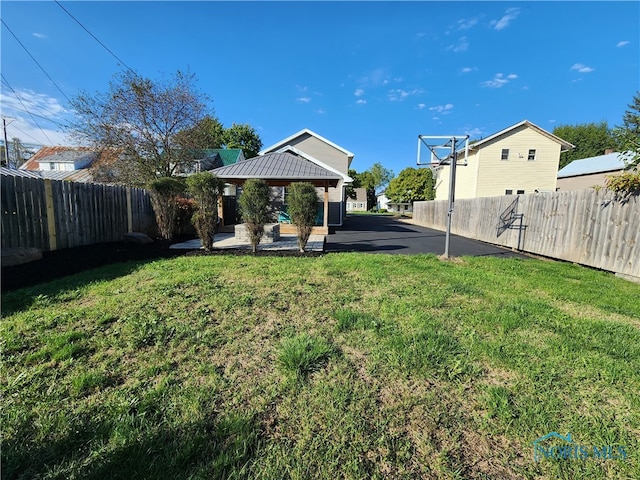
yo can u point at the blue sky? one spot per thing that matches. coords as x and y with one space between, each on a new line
369 76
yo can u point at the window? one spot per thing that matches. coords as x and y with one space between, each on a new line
52 166
508 192
532 155
505 154
361 205
520 192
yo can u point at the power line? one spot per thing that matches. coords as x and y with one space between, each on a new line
36 62
95 38
49 119
30 114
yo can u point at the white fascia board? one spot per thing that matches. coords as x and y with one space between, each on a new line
309 132
289 148
540 130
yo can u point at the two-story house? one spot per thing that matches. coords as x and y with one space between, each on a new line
520 159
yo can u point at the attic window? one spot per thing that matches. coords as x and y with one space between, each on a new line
520 192
508 192
505 154
532 155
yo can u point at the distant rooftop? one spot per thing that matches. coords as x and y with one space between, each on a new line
610 162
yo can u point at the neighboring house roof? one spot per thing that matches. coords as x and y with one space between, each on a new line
361 195
305 131
610 162
81 175
229 156
563 143
59 154
278 167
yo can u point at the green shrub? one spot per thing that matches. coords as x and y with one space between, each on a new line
254 209
303 209
205 189
164 195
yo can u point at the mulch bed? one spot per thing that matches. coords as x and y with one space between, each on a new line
68 261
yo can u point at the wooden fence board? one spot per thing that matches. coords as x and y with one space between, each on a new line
77 214
584 226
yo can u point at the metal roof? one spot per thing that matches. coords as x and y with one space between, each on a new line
602 163
82 175
278 168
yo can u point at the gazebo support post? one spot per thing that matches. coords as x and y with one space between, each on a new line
325 219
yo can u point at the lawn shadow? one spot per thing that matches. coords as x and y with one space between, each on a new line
216 447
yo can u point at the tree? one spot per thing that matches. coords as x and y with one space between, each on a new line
373 180
254 209
628 134
411 185
303 209
208 133
164 199
140 126
205 188
245 137
590 140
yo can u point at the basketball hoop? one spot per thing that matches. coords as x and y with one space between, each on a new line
446 150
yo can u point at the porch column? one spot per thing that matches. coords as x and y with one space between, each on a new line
325 221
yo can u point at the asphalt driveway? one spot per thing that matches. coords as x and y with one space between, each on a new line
386 234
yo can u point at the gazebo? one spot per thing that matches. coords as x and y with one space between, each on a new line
280 169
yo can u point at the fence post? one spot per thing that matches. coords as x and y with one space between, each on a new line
51 214
129 212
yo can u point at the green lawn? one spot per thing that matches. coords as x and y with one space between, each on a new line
343 366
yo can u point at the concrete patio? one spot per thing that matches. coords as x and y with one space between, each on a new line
229 241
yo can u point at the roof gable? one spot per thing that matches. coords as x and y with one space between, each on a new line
60 154
302 132
228 156
564 145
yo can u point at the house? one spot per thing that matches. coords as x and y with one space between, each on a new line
382 201
403 208
590 172
61 159
522 158
358 204
326 155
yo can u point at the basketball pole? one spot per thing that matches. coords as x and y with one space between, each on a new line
452 189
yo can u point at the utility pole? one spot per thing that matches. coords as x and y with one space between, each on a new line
6 143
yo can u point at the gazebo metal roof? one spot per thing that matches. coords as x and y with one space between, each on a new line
278 169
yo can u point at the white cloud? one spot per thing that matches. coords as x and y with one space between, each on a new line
40 35
499 80
474 132
47 111
461 46
581 68
359 92
468 69
375 78
623 43
320 111
466 23
303 99
361 101
510 15
421 106
442 108
399 95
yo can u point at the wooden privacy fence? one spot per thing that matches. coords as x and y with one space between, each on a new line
55 214
583 226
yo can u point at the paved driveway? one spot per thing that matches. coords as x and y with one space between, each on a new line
386 234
